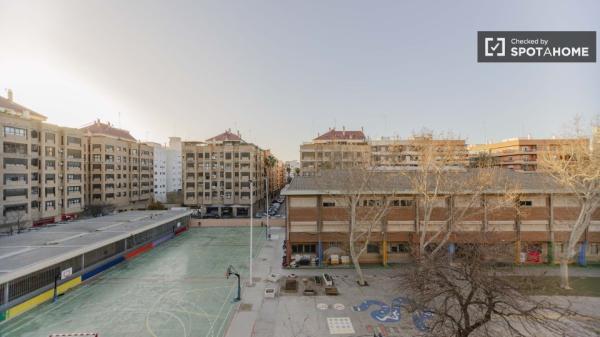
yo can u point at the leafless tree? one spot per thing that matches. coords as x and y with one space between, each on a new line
15 219
574 167
467 295
364 194
440 181
99 209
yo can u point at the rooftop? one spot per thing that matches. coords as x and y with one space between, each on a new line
107 129
399 182
226 136
11 105
24 253
334 134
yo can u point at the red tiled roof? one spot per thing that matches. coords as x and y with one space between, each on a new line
8 104
334 134
225 136
106 129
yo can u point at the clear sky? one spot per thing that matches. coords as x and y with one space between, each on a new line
282 71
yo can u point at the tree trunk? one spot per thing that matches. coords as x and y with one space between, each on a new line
564 271
357 268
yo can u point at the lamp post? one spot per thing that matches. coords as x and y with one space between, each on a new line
251 230
268 233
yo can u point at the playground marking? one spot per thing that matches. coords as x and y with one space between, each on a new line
340 325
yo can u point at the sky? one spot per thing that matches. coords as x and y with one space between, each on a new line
281 72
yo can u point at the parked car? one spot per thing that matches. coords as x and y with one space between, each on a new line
212 215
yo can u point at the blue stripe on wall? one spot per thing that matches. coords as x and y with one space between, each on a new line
102 268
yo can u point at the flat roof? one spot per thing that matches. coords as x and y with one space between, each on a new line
24 253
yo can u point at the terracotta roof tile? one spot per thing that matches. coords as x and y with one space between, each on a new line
107 129
334 134
225 136
8 104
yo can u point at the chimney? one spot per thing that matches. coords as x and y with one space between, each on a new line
9 94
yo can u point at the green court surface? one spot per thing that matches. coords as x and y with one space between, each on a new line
177 289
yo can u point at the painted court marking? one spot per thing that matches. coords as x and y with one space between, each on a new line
340 325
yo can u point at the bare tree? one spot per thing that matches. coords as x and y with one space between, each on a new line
575 168
99 209
467 295
364 193
441 183
15 219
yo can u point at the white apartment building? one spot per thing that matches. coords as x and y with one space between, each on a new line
167 168
160 172
173 167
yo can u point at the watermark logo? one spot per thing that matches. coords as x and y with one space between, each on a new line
534 46
495 46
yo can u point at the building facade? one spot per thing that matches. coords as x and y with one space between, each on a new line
346 149
160 172
167 168
519 154
534 230
174 168
334 149
119 169
42 168
217 175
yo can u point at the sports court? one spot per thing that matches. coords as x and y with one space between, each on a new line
177 289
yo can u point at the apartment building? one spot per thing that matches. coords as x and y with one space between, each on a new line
519 154
119 169
345 149
174 164
535 229
217 175
42 168
167 168
160 172
394 153
335 149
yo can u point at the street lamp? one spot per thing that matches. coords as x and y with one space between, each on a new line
268 233
251 230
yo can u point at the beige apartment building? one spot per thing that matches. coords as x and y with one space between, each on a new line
42 168
344 149
334 149
519 154
119 169
217 175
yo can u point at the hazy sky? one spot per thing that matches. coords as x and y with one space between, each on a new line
282 71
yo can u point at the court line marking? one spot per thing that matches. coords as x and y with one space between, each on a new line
219 313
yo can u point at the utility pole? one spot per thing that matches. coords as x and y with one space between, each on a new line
250 282
267 208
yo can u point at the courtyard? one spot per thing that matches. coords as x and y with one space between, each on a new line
177 289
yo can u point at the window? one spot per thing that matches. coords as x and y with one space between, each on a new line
304 249
73 202
12 131
402 203
402 247
373 248
73 140
328 203
50 164
525 203
14 148
50 204
371 203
